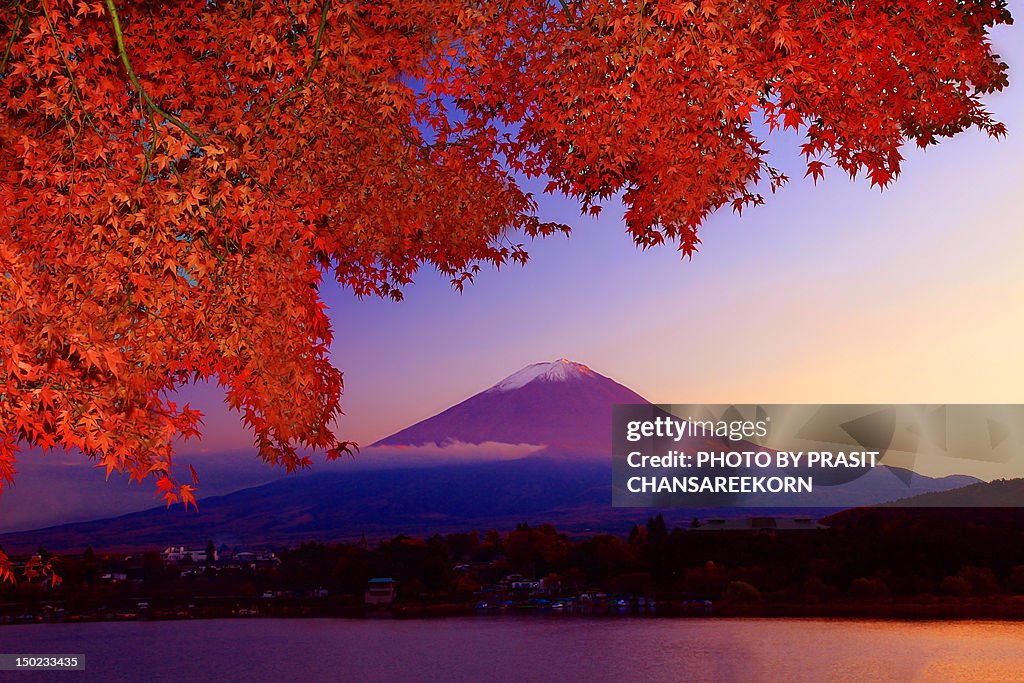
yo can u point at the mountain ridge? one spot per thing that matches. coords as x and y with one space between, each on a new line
561 404
563 407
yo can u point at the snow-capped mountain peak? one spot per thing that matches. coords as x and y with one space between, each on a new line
562 405
561 370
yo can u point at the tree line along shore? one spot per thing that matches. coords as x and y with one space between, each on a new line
926 564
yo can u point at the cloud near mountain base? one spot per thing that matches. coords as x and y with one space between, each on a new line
449 451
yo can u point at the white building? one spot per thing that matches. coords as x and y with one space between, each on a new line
179 553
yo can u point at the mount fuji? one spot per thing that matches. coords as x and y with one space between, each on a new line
562 405
536 446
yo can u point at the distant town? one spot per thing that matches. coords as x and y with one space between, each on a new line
877 563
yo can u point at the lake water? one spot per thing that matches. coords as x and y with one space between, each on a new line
527 648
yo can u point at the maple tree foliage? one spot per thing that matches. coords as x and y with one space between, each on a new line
38 568
178 177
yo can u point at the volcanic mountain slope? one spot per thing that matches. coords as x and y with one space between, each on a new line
343 505
563 405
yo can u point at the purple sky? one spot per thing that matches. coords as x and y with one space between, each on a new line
838 293
834 293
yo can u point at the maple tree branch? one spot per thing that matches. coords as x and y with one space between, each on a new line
10 41
72 139
67 67
148 152
309 70
568 11
115 22
219 256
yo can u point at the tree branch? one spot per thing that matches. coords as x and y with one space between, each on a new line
10 41
67 66
309 71
115 22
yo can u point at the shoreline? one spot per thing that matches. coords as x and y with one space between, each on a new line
946 611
